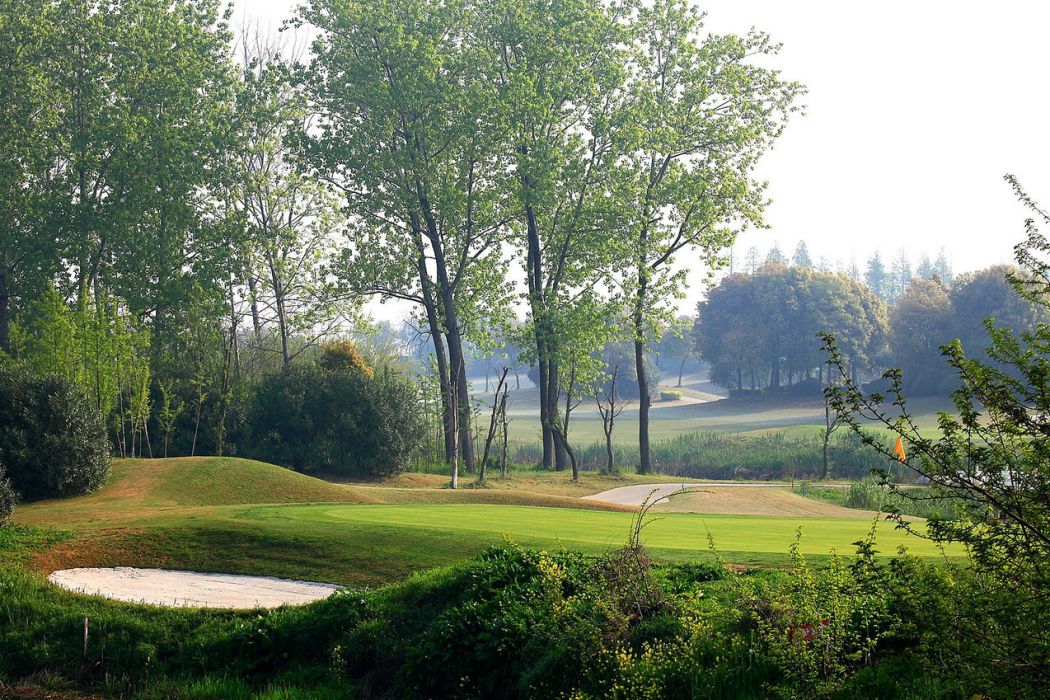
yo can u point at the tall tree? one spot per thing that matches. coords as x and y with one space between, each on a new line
943 267
405 130
292 220
752 328
559 72
876 277
753 260
801 257
920 322
29 258
925 269
900 276
146 93
700 115
775 256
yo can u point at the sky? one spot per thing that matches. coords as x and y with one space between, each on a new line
915 110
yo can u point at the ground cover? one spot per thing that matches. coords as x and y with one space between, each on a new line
367 534
674 536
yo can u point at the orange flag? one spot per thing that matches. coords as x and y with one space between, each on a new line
898 449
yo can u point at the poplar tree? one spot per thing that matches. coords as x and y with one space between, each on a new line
700 115
405 130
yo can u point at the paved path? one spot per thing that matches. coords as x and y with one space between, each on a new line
190 589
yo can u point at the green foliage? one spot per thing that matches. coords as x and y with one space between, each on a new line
52 440
344 422
522 623
760 330
342 356
990 462
8 497
871 494
823 624
733 456
670 395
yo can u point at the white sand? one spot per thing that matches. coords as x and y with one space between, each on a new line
191 589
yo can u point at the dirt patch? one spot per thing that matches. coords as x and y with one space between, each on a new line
94 548
727 499
191 588
731 500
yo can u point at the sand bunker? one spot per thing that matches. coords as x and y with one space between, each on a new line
191 589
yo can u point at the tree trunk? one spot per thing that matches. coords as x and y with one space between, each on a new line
282 320
499 402
5 321
534 260
825 471
439 355
256 322
645 464
681 370
610 464
453 335
561 453
196 427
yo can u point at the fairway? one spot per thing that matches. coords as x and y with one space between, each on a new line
188 513
671 535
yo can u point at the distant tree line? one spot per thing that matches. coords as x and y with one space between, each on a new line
759 330
886 276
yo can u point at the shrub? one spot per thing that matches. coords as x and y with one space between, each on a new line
341 420
670 395
806 387
8 498
342 356
52 440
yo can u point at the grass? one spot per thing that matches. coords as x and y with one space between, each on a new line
167 513
867 494
669 419
239 516
671 536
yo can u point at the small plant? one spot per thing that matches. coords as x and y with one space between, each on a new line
8 497
670 395
824 624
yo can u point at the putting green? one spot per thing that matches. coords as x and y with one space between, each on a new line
672 535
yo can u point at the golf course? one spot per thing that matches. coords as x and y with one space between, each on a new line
523 350
239 516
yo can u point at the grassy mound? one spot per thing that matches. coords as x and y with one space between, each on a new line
220 481
139 488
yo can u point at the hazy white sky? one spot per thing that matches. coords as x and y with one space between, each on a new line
916 108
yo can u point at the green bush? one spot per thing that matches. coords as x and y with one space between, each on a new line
52 439
518 623
670 395
340 421
8 497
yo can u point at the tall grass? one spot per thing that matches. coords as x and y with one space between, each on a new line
869 494
709 455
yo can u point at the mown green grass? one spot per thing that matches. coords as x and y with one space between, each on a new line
673 536
794 417
150 515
